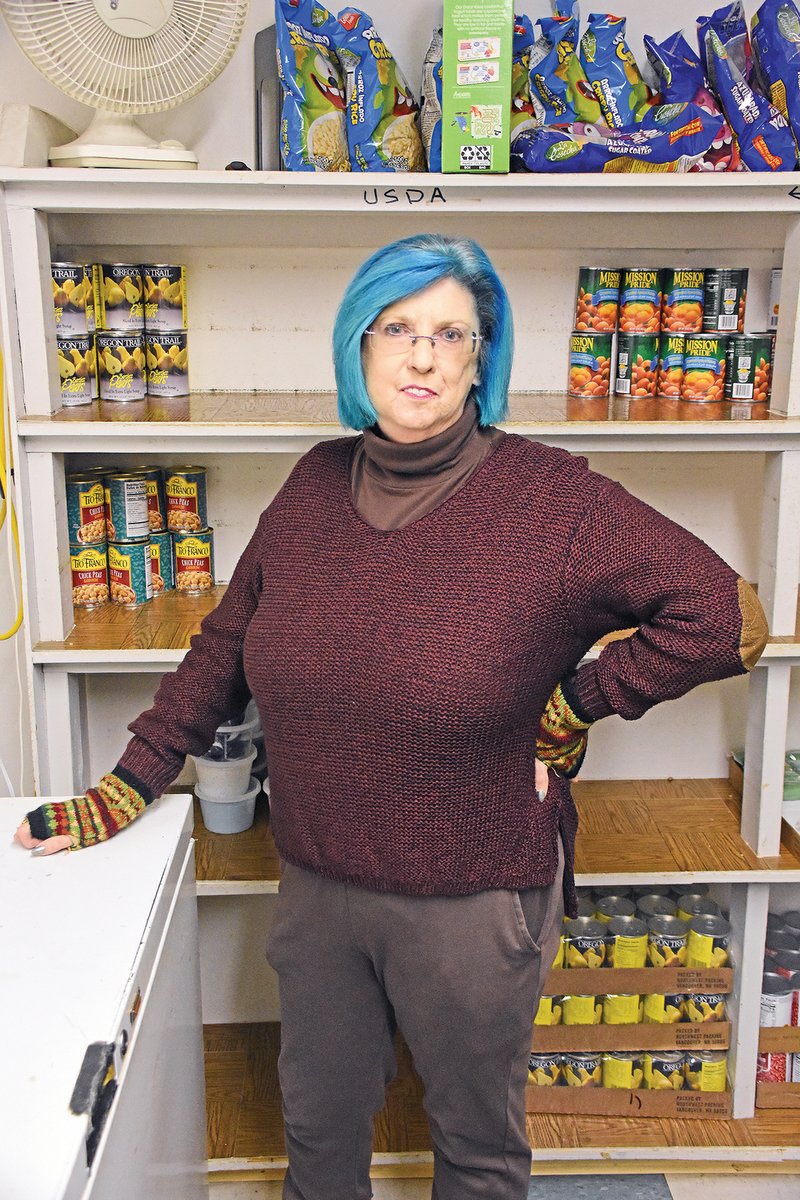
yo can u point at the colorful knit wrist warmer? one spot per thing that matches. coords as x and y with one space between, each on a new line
94 817
562 739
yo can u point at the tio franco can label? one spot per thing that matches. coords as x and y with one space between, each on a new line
187 507
76 369
161 567
597 304
167 357
682 300
748 368
589 364
120 365
704 367
126 506
129 573
640 300
89 567
164 297
118 297
637 364
193 558
86 509
73 298
724 299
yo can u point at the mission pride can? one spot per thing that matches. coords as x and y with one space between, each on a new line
640 300
724 299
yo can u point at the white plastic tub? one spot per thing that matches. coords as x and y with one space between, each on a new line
224 778
233 815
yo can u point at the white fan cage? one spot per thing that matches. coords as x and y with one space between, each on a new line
76 49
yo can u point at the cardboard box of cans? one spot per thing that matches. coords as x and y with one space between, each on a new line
137 534
676 333
121 331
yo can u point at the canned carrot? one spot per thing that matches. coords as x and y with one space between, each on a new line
589 364
598 299
637 364
682 300
671 353
704 367
640 300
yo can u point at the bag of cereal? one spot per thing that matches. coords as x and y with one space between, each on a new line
313 135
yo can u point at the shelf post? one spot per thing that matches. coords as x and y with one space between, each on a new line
61 752
31 257
765 747
748 918
786 367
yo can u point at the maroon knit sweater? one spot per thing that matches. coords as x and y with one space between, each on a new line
400 675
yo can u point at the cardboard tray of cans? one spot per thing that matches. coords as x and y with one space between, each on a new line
684 1035
640 1102
603 981
773 1039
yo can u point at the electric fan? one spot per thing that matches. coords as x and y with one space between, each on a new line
125 58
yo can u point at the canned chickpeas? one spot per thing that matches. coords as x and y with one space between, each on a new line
120 365
126 506
89 567
86 509
164 287
637 364
724 299
598 299
589 364
187 506
129 573
156 499
161 568
193 559
118 297
73 298
640 300
682 300
704 367
167 357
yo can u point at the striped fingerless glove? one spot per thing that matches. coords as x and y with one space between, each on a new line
562 738
94 817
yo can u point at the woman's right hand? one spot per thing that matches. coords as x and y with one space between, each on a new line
51 845
84 820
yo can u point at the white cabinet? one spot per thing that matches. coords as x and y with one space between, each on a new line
268 256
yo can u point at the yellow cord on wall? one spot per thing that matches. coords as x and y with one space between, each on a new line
8 511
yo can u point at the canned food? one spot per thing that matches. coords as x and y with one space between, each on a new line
126 506
89 567
640 300
627 942
791 920
662 1008
655 905
707 942
773 1068
623 1069
73 298
156 500
76 369
585 906
187 508
637 364
682 300
666 941
164 296
609 907
774 307
783 962
748 368
549 1011
558 961
584 942
622 1009
703 367
776 999
167 359
774 922
664 1070
544 1069
118 296
120 365
581 1010
781 939
86 509
704 1007
582 1070
694 904
193 557
706 1070
598 299
129 573
589 364
671 353
724 299
605 890
161 563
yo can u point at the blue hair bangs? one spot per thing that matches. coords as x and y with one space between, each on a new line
402 269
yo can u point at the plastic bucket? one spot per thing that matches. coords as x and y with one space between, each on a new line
232 815
225 778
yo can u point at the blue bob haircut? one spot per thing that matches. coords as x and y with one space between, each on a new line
402 269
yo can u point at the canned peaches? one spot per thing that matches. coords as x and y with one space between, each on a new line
682 300
704 367
589 364
637 364
598 299
671 353
640 300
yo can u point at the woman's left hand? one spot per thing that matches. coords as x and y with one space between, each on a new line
542 779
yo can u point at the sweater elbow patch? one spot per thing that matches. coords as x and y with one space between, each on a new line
755 631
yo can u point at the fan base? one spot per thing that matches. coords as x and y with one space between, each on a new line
84 154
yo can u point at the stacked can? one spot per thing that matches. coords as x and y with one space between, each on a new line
658 1070
86 524
129 570
187 521
591 342
119 340
73 310
166 323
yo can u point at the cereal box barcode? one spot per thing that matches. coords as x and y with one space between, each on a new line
476 158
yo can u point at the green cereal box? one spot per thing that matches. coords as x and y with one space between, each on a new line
476 85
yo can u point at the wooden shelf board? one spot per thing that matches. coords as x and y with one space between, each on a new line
616 840
245 1133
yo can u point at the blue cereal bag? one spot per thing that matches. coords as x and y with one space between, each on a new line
313 134
612 71
730 26
523 114
776 49
560 91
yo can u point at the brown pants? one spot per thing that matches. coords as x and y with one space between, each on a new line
460 976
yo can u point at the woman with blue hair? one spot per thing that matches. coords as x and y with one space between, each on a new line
412 616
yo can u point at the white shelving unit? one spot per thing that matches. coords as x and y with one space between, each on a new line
268 256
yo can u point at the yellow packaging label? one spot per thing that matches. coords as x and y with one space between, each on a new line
622 1073
628 951
581 1010
699 950
549 1011
662 1010
707 1076
558 961
622 1010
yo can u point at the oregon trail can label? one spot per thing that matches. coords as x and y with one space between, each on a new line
118 297
73 298
76 369
164 287
167 357
120 365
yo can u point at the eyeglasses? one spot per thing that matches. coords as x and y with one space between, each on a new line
453 344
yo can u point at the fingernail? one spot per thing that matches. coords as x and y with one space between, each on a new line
37 850
541 795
